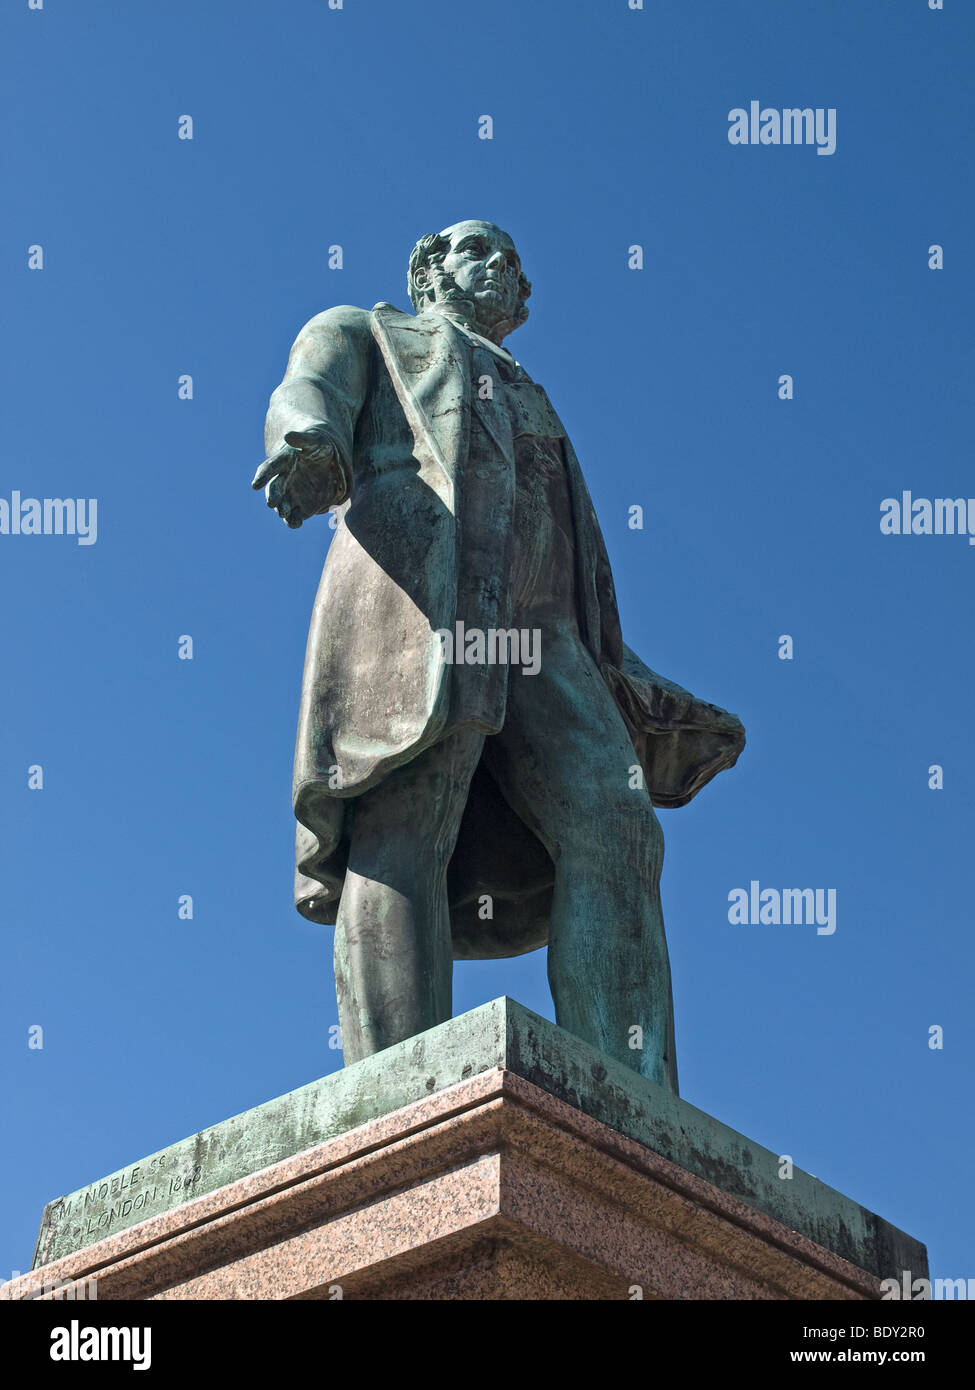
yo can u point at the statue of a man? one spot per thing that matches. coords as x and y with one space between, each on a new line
478 754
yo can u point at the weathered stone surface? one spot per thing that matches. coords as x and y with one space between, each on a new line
499 1036
490 1189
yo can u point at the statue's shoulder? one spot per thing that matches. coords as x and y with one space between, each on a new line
349 321
343 318
427 321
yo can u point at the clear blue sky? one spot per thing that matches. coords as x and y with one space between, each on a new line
163 777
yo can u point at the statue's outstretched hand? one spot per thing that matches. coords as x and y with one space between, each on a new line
303 478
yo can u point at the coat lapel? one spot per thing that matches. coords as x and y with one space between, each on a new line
431 378
428 360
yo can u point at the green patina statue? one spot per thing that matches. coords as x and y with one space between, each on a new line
478 752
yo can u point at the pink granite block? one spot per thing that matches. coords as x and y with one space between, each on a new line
490 1189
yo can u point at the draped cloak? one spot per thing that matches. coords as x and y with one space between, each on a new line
425 539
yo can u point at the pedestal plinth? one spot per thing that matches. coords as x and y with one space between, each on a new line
494 1157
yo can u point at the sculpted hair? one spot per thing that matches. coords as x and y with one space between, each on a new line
430 251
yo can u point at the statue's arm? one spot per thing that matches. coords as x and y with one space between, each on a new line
312 415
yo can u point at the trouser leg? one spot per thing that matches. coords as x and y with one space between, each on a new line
565 763
393 954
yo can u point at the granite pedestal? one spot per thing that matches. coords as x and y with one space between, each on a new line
493 1157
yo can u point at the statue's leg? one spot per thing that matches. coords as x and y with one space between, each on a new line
564 761
393 951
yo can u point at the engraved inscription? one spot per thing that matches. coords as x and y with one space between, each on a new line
145 1186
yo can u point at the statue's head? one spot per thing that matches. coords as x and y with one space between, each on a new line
473 268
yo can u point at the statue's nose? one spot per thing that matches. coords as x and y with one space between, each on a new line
496 261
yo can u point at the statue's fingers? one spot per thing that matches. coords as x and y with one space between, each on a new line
264 474
278 463
307 441
289 513
275 490
304 487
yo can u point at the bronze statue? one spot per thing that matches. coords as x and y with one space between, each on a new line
478 753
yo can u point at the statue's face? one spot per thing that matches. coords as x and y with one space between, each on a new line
484 266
